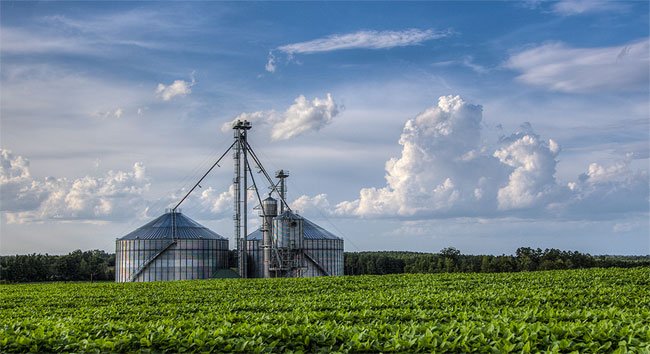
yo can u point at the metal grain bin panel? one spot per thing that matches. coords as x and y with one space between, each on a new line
323 252
152 253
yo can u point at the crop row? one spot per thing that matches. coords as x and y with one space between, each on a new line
591 310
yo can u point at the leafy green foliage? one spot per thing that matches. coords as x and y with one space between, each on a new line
595 310
451 260
77 265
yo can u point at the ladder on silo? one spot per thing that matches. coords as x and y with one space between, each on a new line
322 269
150 260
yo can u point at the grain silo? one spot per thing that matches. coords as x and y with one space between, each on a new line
286 244
289 245
171 247
318 253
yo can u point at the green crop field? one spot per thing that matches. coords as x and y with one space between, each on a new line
595 310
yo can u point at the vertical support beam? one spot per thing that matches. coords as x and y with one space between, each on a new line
267 228
241 205
244 254
237 197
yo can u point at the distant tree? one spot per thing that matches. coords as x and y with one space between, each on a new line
450 252
485 264
69 266
527 258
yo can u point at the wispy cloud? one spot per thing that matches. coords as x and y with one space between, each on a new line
357 40
117 113
364 40
90 35
122 22
466 61
19 41
559 67
270 63
577 7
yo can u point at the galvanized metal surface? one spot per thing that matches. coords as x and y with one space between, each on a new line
162 228
240 183
255 257
288 231
185 259
327 254
323 252
268 212
310 229
151 253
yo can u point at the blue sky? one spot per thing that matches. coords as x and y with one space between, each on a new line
406 126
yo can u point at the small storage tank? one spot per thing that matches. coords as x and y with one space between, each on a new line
269 207
171 247
288 231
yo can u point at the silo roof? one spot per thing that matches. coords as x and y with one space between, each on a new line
161 228
313 231
310 229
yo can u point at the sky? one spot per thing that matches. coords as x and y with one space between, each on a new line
484 126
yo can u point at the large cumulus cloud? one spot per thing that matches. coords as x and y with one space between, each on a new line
448 169
532 179
116 195
442 170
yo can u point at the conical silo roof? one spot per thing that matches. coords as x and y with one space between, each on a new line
315 232
162 228
310 229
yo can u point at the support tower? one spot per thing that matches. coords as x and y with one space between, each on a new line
240 182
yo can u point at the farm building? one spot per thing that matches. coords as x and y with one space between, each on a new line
171 247
297 248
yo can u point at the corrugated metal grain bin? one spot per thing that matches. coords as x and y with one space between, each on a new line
171 247
322 250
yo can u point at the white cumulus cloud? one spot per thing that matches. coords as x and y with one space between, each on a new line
559 67
612 189
18 191
533 177
304 116
446 169
218 203
118 194
441 168
301 117
259 117
177 88
311 205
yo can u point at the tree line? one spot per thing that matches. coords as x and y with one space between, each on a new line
93 265
451 260
98 265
